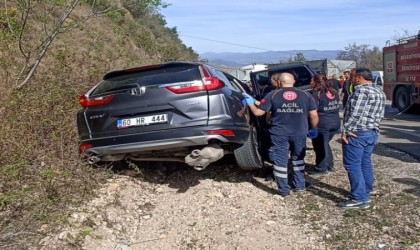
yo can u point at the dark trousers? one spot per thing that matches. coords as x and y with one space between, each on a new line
324 159
281 147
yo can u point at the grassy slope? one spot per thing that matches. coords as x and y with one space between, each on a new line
40 170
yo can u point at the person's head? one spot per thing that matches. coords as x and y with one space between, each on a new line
362 76
287 80
275 80
317 80
352 77
346 74
320 84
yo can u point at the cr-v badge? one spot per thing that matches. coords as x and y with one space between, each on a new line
138 91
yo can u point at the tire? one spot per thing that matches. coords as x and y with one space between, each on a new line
247 155
402 99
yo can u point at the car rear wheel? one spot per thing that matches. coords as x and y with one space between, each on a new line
402 99
247 155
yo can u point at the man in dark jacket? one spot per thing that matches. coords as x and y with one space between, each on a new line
335 83
290 108
347 87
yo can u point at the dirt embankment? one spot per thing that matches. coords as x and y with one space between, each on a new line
223 207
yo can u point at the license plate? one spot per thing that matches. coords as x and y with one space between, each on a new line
142 121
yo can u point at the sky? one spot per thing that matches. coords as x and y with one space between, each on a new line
248 26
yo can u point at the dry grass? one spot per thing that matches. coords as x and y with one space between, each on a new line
40 171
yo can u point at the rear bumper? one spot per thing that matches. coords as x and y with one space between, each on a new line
162 140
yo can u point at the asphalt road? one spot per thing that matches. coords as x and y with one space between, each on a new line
401 131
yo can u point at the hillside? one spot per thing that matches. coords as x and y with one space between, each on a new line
40 171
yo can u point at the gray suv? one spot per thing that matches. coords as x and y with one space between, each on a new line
179 111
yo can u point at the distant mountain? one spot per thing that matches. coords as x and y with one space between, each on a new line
240 59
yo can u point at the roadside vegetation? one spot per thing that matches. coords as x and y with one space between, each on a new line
42 75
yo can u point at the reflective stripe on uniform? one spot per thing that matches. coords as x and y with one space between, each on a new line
296 163
281 169
299 168
280 172
280 175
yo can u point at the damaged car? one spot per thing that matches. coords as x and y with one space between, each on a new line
178 111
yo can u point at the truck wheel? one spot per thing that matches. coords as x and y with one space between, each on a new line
402 99
247 155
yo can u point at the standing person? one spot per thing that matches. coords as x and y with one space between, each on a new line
341 81
267 173
335 83
328 101
362 115
290 108
347 86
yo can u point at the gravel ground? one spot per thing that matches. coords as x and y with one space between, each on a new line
223 207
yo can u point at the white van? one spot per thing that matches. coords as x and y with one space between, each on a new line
378 78
251 68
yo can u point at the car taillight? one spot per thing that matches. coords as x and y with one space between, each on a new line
187 87
224 132
84 146
210 83
96 101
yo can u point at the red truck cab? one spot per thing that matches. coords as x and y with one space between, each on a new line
401 64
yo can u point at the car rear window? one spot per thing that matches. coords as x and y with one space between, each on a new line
149 77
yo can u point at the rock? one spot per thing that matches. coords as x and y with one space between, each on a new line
270 222
113 186
215 195
380 246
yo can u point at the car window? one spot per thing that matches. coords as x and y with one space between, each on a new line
301 74
262 78
237 84
149 77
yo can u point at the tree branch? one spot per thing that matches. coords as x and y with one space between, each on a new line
46 44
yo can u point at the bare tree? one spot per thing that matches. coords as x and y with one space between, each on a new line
48 19
372 59
363 55
401 34
32 62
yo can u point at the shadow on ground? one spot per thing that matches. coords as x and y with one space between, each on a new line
414 185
